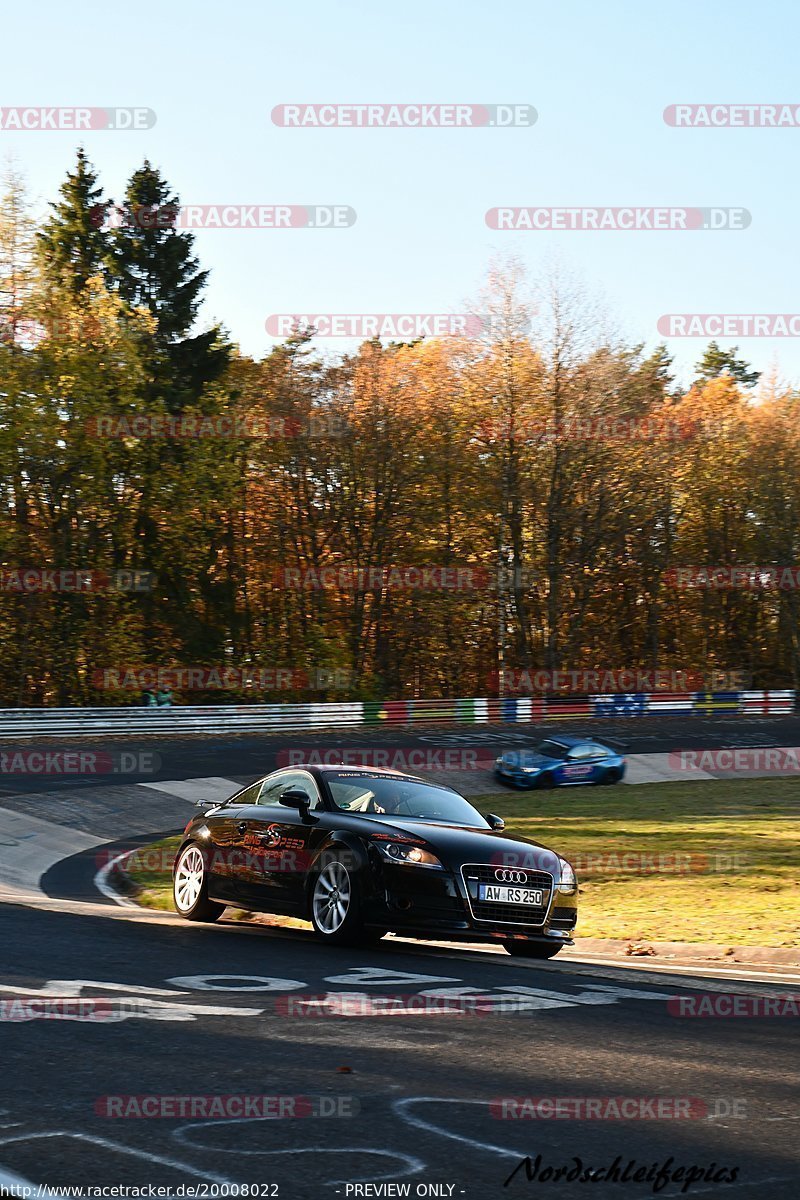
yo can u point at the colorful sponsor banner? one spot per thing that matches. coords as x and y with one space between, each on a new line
464 711
630 704
712 702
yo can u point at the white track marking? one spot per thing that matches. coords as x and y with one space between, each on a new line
105 888
257 983
143 1003
413 1165
401 1108
104 1144
380 977
686 976
75 987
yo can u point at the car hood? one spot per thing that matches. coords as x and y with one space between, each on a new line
456 844
527 758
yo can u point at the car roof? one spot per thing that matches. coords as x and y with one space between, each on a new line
357 769
369 772
354 767
570 739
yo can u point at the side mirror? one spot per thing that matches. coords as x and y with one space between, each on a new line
495 821
295 797
207 804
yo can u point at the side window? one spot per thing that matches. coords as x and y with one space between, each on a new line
600 752
272 789
581 753
250 794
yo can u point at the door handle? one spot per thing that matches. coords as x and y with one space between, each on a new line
242 827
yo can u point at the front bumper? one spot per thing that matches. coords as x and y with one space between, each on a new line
436 904
516 777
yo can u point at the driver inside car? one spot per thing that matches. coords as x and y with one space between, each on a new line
367 802
391 802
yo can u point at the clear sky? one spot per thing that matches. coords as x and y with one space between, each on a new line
598 74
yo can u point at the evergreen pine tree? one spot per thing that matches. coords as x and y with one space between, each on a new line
154 266
717 361
73 243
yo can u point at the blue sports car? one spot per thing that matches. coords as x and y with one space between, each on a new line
561 761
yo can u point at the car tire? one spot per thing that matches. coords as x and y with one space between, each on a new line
190 887
546 780
612 775
540 950
335 905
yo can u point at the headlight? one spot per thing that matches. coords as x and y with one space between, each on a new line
413 856
568 883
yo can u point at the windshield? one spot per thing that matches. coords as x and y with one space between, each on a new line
395 795
552 750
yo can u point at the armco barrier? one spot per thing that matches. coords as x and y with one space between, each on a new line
271 718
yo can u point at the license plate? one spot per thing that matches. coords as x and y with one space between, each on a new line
511 895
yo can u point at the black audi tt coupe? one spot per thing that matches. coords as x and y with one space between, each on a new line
361 852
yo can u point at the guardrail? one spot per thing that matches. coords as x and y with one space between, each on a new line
271 718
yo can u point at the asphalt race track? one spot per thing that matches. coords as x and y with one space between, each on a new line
398 1070
250 755
414 1099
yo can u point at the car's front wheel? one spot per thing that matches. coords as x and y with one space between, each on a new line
612 775
336 905
538 950
190 887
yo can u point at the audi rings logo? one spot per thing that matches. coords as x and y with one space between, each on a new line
510 876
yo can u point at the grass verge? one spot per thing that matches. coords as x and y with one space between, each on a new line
708 861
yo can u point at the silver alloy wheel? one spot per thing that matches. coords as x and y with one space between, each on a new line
189 879
331 899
